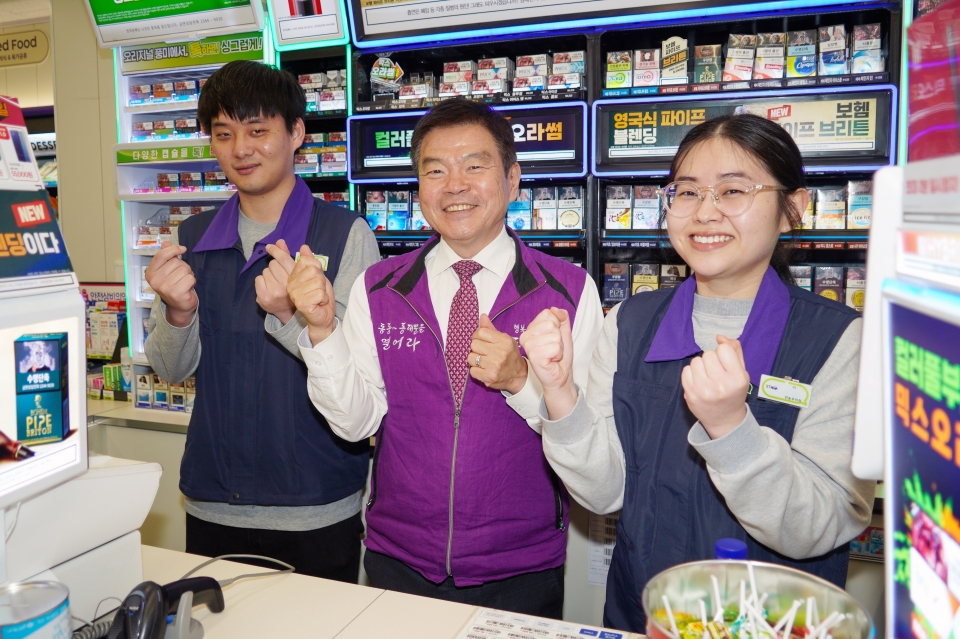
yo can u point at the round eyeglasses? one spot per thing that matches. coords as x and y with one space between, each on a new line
731 197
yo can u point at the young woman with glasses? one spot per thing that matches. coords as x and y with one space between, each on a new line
682 428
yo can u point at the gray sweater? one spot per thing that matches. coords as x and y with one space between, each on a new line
174 353
798 498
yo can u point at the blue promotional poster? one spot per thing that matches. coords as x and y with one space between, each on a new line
924 482
30 239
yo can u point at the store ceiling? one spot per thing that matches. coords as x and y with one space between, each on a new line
14 12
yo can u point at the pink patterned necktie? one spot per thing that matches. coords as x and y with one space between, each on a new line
464 320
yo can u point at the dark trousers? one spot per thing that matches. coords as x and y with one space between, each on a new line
533 593
332 552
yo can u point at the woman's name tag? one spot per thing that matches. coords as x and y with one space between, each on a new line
784 390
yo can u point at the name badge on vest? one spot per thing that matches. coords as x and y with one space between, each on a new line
323 259
784 390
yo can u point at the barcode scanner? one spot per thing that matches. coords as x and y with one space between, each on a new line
144 613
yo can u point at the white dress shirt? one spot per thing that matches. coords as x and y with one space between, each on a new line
344 379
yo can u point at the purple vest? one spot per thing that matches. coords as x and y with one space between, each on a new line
477 501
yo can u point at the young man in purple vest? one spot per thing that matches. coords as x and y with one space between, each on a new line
463 505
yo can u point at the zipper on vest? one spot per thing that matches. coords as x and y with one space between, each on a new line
558 500
373 473
456 432
453 468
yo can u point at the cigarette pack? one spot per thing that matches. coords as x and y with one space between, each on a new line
533 60
185 88
318 139
569 67
866 37
488 87
142 130
706 74
42 417
646 59
564 81
567 57
310 79
828 282
833 63
178 398
619 61
495 63
801 66
833 38
801 42
545 208
644 278
416 91
398 210
619 211
859 204
870 61
375 210
144 391
803 276
645 77
616 282
771 45
646 206
459 67
672 274
163 128
417 221
458 76
191 182
191 387
856 283
216 181
707 51
450 89
140 93
768 68
806 220
497 73
737 69
622 79
741 46
831 208
537 83
540 70
162 90
673 51
339 137
332 100
161 393
186 127
519 212
570 207
168 182
676 74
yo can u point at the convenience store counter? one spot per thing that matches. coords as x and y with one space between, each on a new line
294 605
112 413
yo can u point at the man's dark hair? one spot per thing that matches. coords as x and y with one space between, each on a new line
245 89
460 112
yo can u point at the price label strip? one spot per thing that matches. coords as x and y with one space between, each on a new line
487 623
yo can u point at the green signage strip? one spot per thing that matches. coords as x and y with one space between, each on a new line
122 23
164 154
208 51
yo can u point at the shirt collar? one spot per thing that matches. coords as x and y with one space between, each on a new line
761 334
292 227
495 256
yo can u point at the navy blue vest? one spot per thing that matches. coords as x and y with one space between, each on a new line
254 436
672 513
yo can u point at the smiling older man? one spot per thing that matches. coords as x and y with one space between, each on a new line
463 504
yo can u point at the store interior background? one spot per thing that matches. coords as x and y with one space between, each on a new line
76 80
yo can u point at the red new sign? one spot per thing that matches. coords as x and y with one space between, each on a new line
779 112
31 213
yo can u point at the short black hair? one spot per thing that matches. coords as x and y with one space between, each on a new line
461 112
245 89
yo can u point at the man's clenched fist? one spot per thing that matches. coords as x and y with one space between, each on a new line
272 285
312 294
174 282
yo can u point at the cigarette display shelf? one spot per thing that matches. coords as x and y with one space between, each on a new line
715 31
162 107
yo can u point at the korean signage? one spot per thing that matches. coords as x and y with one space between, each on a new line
840 125
30 239
163 154
23 47
143 21
431 20
923 477
179 55
307 22
546 138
